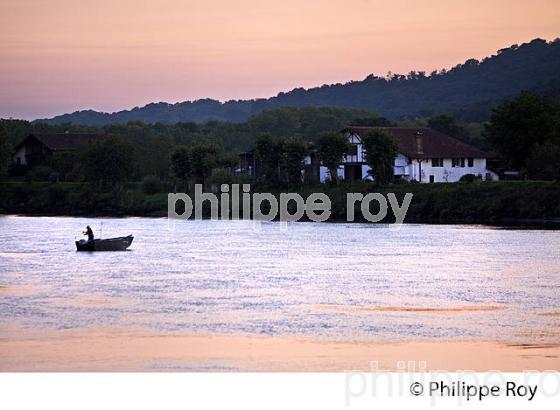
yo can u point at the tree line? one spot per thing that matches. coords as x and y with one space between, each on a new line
147 150
523 132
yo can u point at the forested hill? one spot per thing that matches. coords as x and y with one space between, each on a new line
467 90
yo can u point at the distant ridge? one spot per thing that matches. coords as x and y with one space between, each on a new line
467 90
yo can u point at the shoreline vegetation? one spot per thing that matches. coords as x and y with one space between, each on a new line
128 170
504 203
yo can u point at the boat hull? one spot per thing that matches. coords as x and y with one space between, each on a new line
113 244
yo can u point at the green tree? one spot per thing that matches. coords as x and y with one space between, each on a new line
181 164
154 157
108 162
151 184
380 148
294 151
331 147
448 125
518 126
5 151
543 162
268 153
309 122
195 163
204 158
226 159
63 162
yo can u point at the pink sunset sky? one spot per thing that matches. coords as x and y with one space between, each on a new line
60 56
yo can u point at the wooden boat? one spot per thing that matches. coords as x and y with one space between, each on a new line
113 244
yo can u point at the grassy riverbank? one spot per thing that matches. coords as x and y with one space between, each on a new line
79 199
499 203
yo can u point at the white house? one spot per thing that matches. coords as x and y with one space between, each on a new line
425 155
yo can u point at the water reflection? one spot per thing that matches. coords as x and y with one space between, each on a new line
335 281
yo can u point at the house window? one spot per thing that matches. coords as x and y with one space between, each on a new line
471 162
455 162
462 162
437 162
432 179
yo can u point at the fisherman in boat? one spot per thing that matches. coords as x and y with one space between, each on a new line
89 233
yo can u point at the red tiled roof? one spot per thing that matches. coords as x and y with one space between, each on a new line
63 141
435 144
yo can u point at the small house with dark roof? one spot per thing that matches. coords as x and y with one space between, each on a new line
36 148
425 155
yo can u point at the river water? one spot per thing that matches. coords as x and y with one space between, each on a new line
332 281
